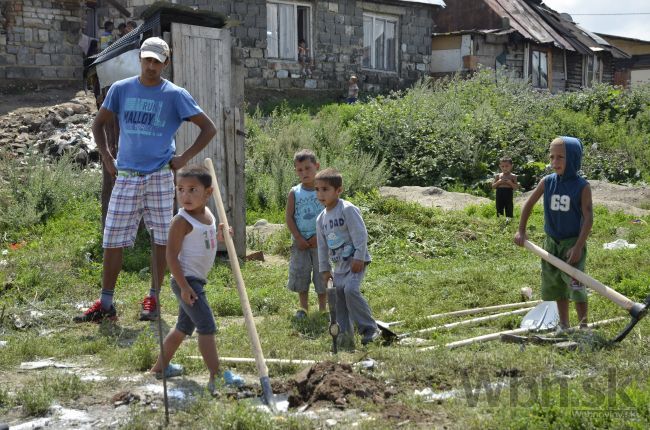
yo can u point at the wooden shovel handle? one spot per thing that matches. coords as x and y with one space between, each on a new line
582 277
234 264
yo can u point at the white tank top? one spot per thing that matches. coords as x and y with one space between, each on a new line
199 246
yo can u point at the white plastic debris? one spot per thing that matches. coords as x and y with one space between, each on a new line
42 364
3 343
619 244
367 364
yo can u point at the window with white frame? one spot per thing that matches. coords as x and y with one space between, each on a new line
287 24
592 70
539 68
379 42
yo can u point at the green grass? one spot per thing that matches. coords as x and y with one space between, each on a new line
425 261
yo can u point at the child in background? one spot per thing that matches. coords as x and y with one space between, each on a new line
107 38
505 184
302 209
343 243
568 217
303 58
191 249
353 90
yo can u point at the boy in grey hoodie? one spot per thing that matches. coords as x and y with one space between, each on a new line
343 243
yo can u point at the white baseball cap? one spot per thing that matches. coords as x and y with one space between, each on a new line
155 47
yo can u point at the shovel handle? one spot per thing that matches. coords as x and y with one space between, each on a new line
241 288
582 277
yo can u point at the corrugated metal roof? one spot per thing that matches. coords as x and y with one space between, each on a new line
497 31
528 22
581 39
440 3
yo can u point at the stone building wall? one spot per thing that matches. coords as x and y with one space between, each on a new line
38 41
337 43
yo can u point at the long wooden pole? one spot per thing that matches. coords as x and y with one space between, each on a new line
262 370
493 336
582 277
252 360
466 322
484 309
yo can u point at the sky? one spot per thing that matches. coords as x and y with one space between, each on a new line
635 26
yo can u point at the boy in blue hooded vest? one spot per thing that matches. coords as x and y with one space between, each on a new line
568 218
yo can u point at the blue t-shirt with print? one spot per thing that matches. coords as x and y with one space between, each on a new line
306 209
149 118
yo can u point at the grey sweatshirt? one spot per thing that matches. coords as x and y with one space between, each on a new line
341 236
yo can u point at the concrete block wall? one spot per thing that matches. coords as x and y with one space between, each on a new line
38 41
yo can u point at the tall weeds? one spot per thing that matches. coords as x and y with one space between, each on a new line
31 191
273 140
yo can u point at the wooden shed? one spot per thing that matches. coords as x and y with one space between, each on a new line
202 63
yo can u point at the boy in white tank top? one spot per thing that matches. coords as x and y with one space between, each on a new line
191 249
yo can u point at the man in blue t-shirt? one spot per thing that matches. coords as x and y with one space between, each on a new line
149 110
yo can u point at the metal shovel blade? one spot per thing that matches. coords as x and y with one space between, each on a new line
544 316
386 333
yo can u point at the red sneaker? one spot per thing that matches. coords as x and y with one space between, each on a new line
149 310
96 314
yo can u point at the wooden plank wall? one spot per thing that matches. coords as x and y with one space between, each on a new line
574 71
201 58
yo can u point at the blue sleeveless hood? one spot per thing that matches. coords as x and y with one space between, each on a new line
573 148
563 195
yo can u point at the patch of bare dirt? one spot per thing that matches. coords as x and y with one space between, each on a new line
632 200
39 98
433 197
262 230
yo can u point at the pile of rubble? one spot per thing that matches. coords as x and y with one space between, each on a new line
51 132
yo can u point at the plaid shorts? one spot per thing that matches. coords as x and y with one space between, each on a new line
136 196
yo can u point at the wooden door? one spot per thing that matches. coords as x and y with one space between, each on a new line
201 63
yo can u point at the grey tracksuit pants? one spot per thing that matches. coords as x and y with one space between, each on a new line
351 307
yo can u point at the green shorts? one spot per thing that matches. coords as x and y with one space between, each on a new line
557 285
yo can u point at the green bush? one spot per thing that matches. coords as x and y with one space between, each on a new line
32 191
452 132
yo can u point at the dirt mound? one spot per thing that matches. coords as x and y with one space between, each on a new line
632 200
433 197
333 383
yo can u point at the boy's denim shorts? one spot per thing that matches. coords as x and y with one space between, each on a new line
303 270
199 315
557 285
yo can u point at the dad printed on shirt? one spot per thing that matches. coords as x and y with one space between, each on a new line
339 249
